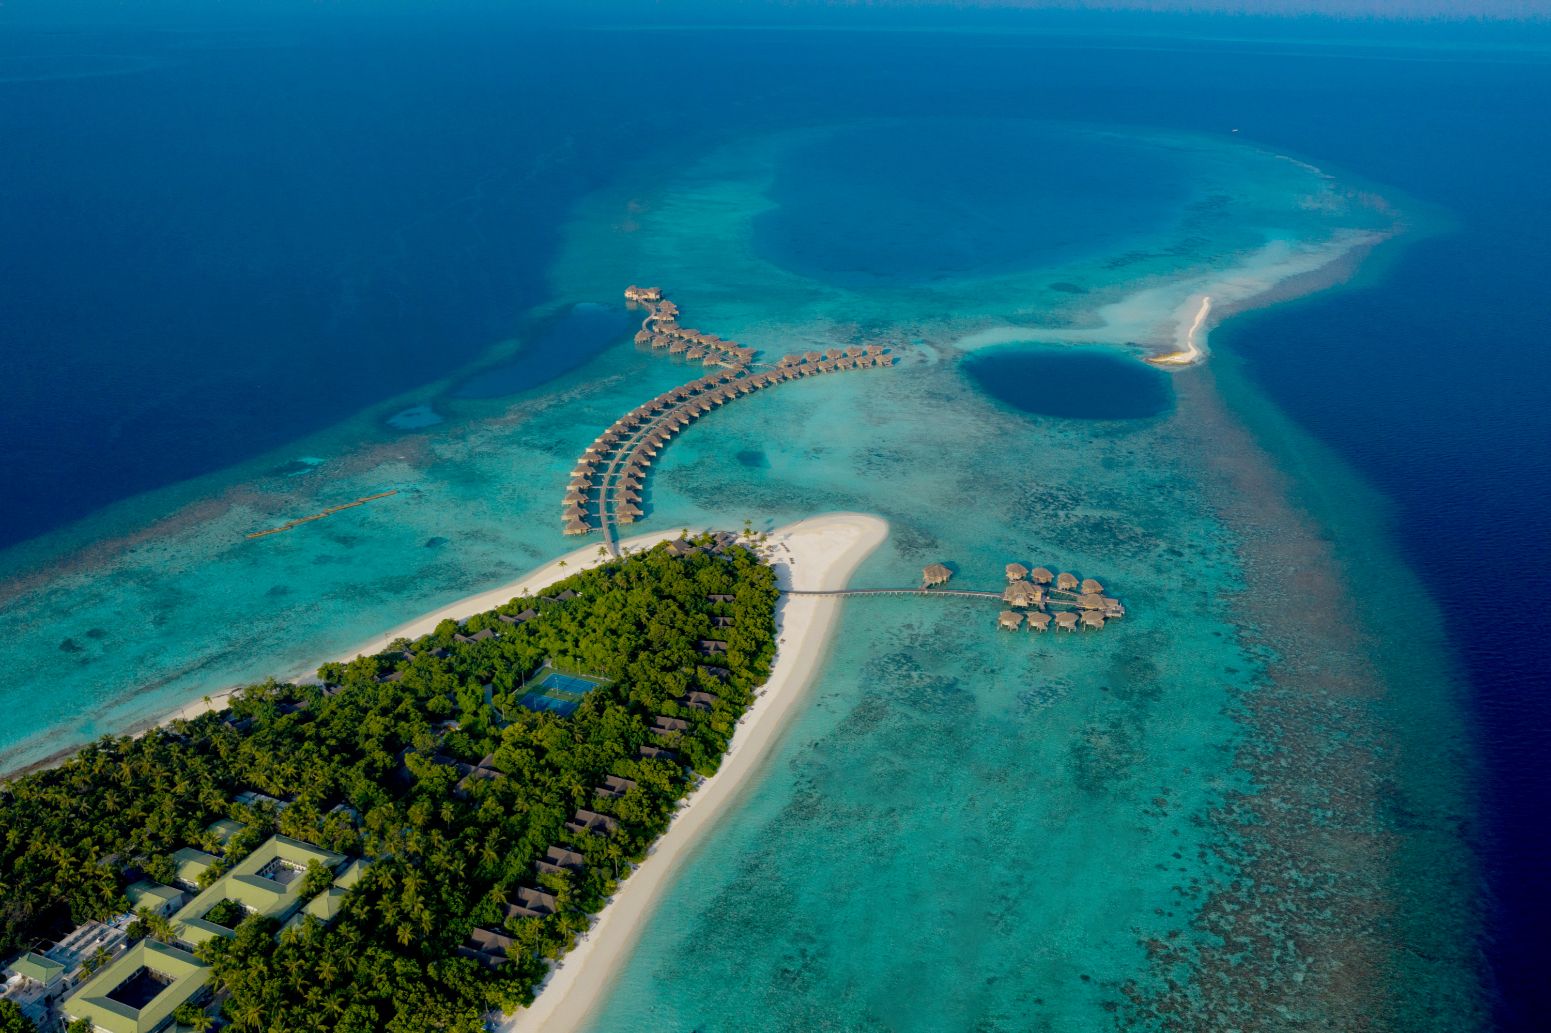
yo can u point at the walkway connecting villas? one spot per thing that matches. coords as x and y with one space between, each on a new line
606 485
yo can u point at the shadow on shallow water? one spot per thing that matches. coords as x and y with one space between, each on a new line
1076 385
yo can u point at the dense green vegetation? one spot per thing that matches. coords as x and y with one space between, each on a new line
13 1021
445 852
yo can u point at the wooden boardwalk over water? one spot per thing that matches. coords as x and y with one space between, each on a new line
605 487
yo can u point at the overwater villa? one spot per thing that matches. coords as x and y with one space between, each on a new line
642 433
1017 572
1041 576
1023 594
1010 620
935 574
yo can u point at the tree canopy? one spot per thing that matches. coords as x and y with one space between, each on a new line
378 760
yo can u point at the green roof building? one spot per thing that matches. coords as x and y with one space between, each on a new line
191 864
37 968
139 991
146 895
267 882
223 829
325 907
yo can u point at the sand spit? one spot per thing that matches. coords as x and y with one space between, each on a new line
1178 315
821 552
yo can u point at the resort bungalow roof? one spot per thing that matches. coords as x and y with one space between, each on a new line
478 636
1091 601
1017 572
720 598
935 574
1010 619
698 700
711 645
1066 621
558 859
532 903
1021 593
1090 586
655 753
1092 619
1113 608
591 821
577 527
614 786
1039 621
1066 582
162 978
1041 576
670 724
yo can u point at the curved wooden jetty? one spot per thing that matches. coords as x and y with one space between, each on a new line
363 500
605 487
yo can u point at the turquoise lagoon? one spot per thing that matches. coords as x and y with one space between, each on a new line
962 829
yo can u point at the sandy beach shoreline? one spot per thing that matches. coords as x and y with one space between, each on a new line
818 553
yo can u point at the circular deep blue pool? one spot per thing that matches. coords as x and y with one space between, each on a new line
1075 384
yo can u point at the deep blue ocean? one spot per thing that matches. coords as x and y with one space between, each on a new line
219 240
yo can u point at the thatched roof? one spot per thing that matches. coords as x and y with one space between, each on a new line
1039 621
1010 619
1021 593
1066 621
1092 619
936 574
1017 572
1066 582
1091 586
576 527
1091 601
1041 575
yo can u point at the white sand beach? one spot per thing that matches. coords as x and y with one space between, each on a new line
819 553
1189 351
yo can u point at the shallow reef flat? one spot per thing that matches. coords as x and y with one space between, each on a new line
966 828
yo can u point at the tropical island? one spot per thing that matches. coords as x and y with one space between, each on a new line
408 842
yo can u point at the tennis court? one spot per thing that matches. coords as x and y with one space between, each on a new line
558 693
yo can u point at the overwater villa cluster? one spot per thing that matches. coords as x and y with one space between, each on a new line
605 487
1040 596
1044 598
